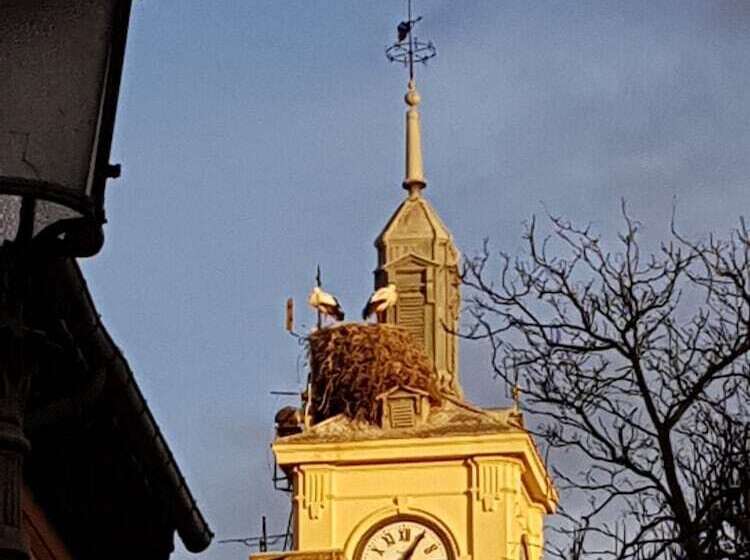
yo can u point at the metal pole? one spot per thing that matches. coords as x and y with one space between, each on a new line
319 284
411 45
20 349
263 544
288 535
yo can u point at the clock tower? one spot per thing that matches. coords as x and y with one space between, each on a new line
387 461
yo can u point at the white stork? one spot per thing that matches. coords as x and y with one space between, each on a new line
326 304
381 300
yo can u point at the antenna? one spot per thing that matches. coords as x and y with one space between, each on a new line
319 284
263 542
412 51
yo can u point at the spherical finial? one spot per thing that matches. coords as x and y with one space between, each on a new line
412 96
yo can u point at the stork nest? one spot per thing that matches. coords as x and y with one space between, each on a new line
352 364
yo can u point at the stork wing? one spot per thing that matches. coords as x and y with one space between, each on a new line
380 295
334 309
328 299
367 311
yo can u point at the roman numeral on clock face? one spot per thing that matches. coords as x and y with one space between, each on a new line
403 539
388 538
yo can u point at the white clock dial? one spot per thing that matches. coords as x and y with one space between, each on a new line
403 539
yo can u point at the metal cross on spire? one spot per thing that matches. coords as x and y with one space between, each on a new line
411 51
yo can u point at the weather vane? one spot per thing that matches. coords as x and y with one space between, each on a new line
408 52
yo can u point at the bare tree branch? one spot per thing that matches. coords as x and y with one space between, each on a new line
639 365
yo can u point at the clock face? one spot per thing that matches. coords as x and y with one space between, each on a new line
403 539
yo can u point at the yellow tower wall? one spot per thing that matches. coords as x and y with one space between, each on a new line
489 505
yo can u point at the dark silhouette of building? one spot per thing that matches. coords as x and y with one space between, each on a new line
85 472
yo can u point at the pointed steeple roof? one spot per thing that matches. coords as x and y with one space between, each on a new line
415 217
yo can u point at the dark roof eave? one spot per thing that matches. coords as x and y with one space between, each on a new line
191 525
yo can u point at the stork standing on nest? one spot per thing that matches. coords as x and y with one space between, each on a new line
325 304
382 299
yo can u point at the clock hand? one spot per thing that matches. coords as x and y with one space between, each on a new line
412 547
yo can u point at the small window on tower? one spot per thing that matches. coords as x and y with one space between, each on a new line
403 407
402 413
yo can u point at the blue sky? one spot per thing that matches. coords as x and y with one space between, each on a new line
260 138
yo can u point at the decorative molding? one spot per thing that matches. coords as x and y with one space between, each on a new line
315 492
493 480
489 486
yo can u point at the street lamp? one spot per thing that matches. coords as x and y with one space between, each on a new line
60 68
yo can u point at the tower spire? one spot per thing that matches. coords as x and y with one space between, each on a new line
408 52
414 180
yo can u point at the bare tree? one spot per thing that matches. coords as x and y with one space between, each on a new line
635 369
